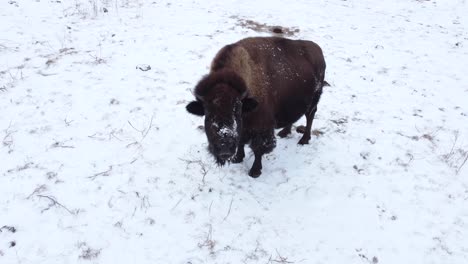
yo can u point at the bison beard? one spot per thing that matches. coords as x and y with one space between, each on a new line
255 86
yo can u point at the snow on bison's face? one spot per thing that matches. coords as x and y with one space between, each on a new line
223 108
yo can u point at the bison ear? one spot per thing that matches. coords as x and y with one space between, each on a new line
248 104
196 108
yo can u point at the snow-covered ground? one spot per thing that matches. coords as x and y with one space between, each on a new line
100 163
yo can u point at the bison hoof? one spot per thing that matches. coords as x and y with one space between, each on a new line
254 173
237 159
300 129
284 133
303 141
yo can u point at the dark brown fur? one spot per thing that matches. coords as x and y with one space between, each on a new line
284 76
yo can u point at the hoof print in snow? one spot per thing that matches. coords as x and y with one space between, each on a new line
364 155
357 169
317 132
150 221
340 121
10 229
114 101
277 30
143 67
12 244
89 253
374 259
105 10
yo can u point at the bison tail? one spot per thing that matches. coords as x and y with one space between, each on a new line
325 83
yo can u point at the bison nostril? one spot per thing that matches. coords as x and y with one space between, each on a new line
228 145
228 148
225 155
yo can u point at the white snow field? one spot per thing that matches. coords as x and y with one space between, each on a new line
101 163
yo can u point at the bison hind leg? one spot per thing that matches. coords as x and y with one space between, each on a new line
310 115
310 118
285 131
301 129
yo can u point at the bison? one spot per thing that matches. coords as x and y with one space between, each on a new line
254 86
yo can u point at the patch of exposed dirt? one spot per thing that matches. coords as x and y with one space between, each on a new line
262 27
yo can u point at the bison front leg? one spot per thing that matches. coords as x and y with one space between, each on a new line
261 144
239 157
256 169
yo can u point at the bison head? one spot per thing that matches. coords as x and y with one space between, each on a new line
222 98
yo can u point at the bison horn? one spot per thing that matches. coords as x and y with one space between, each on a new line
244 94
199 97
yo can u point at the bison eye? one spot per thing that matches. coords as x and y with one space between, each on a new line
249 104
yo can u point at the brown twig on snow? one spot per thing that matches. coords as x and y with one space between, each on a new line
143 132
456 154
279 259
229 211
209 242
112 135
450 154
58 144
209 208
463 163
38 189
144 204
104 174
148 129
67 123
130 123
21 168
54 202
204 171
95 136
8 138
177 204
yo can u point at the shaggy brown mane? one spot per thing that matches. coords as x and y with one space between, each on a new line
220 77
222 58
